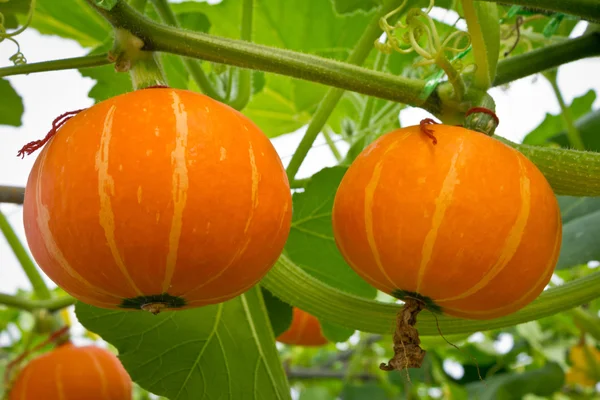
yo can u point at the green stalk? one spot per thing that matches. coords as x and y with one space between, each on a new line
56 65
572 133
331 145
585 9
147 73
37 282
569 172
243 54
12 194
51 305
193 66
244 86
332 97
294 286
548 57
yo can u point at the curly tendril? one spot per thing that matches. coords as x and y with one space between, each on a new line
18 58
422 37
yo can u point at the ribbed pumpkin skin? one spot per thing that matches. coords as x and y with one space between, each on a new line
469 223
157 191
73 373
305 330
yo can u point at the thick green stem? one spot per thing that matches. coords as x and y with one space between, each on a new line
573 134
37 282
193 66
56 65
569 172
244 85
342 75
290 283
333 96
51 305
147 73
517 67
585 9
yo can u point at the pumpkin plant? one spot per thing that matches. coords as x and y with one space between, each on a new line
167 195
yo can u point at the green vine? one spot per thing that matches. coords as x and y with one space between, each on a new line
39 286
18 58
291 284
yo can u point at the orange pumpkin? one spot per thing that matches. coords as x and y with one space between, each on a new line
73 373
305 330
469 226
159 198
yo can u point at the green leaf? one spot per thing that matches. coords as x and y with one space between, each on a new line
77 21
575 207
542 382
284 105
12 109
280 312
580 241
214 352
105 4
311 244
588 127
11 9
351 6
553 124
335 333
484 28
195 21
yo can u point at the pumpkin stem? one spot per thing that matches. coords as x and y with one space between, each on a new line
154 308
426 130
407 352
56 125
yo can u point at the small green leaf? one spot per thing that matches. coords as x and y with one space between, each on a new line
335 333
12 109
105 4
280 313
311 244
542 382
214 352
484 28
553 124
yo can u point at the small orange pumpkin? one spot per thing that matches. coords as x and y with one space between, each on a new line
158 198
69 373
305 330
469 226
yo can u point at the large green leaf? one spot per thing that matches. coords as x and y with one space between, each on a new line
581 230
214 352
311 244
12 109
280 313
553 124
71 19
350 6
542 382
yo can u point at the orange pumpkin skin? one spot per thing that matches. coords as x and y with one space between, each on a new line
159 196
470 226
73 373
305 330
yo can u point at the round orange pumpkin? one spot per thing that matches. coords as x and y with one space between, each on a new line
305 330
158 198
73 373
468 226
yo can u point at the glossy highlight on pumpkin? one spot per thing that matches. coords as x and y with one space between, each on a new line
158 198
305 330
469 226
73 373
